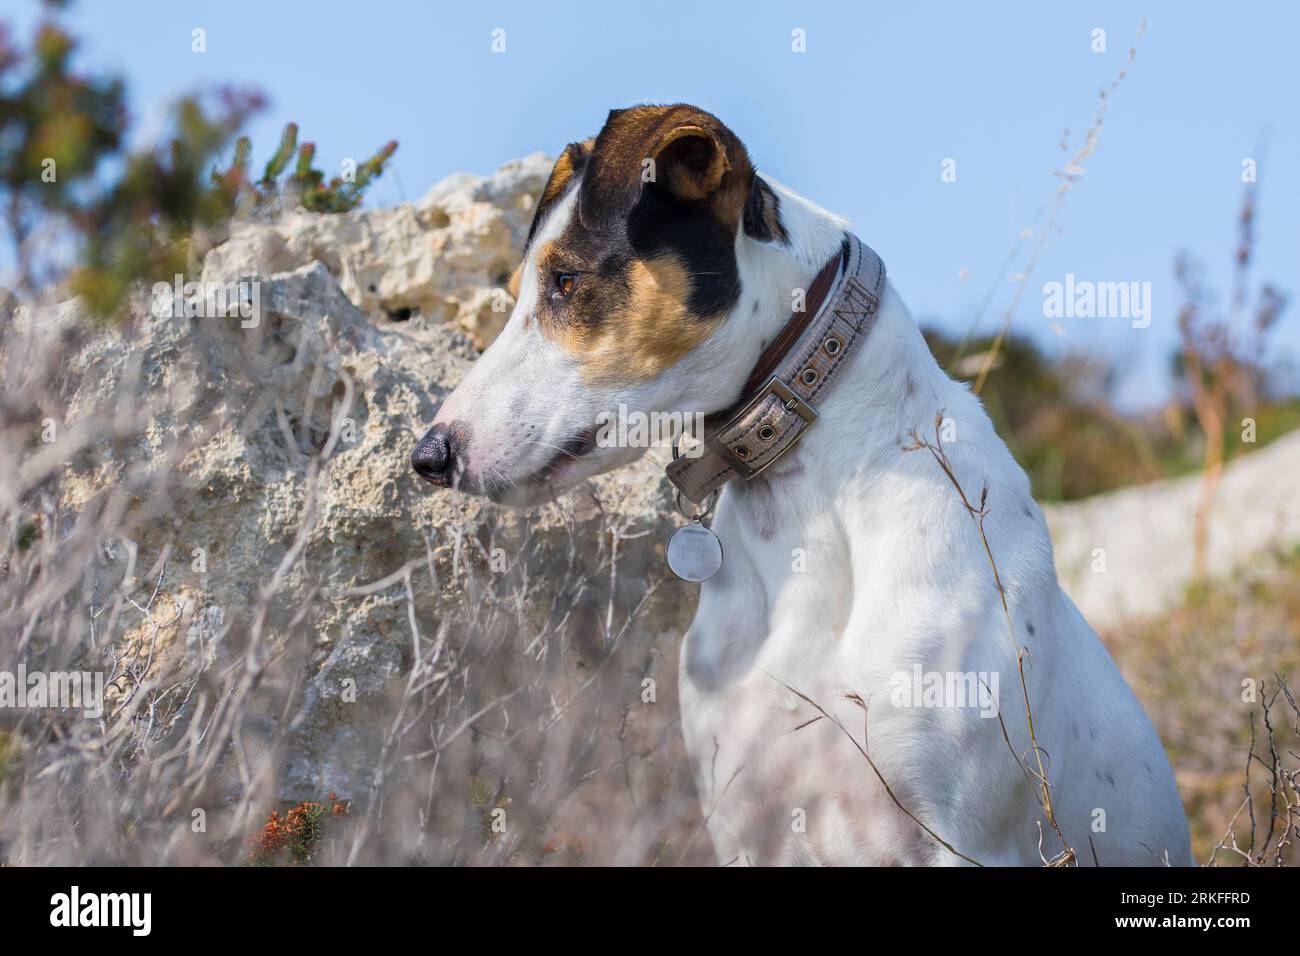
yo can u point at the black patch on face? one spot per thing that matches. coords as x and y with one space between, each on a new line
703 245
602 261
658 226
681 216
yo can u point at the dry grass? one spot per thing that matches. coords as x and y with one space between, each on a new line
520 730
1209 674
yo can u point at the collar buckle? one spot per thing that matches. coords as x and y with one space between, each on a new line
799 418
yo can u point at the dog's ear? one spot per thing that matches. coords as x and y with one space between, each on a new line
684 153
763 214
692 160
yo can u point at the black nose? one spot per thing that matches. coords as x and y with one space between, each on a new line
434 458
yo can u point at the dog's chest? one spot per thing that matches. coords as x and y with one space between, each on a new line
772 647
779 779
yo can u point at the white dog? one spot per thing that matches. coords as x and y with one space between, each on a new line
850 686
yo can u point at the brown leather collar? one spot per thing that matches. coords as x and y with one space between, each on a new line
797 324
776 407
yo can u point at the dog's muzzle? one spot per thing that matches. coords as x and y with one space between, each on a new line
434 458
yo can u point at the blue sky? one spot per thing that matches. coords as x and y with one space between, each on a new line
861 122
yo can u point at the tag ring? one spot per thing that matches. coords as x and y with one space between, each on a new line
708 506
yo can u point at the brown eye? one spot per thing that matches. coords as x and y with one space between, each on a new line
565 282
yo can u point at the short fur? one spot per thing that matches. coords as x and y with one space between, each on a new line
848 563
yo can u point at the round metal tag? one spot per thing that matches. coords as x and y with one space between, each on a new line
694 553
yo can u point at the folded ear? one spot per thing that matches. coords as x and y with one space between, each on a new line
763 214
686 154
689 161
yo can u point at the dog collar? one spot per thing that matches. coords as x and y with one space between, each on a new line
778 402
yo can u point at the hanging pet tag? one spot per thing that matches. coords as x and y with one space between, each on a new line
694 551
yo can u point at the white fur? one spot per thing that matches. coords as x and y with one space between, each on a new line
847 563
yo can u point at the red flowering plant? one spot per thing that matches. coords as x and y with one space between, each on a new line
297 836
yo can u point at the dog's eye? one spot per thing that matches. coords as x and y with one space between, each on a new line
565 283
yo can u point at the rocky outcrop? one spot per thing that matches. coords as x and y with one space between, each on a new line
446 257
296 433
1129 553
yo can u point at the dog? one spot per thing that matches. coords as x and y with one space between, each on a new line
850 687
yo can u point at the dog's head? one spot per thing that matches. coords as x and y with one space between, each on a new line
630 272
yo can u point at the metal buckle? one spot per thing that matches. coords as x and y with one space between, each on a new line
792 403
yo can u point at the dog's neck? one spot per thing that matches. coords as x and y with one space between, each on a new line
891 383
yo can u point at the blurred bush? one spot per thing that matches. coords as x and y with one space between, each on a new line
82 207
1056 416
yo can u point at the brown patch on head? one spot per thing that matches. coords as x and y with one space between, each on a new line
646 325
681 148
572 162
646 268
